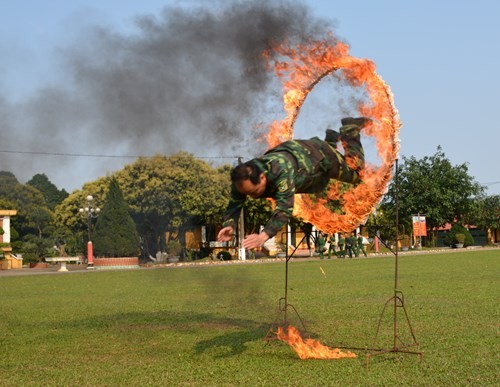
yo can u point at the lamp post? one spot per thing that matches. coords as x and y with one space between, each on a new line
91 211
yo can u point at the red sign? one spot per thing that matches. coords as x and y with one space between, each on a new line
419 227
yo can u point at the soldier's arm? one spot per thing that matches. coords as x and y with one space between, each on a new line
233 209
284 204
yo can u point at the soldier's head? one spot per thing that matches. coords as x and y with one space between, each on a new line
249 179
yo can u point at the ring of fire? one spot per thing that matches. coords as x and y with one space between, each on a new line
300 69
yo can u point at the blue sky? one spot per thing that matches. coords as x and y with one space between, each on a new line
440 58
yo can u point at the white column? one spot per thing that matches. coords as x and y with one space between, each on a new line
6 229
241 236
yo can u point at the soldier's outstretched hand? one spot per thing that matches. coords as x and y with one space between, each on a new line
255 240
226 234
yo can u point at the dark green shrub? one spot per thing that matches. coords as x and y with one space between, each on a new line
115 233
174 248
457 229
35 249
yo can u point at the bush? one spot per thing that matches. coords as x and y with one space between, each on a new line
35 249
174 248
458 234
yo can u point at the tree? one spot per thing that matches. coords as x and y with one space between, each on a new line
53 196
115 233
486 214
172 194
67 212
71 225
33 215
257 213
434 187
164 194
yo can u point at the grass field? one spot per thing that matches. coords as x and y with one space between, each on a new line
205 325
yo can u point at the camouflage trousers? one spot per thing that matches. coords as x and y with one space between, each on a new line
345 167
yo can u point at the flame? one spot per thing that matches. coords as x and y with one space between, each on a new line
310 348
299 69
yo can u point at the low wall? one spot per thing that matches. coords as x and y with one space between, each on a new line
116 263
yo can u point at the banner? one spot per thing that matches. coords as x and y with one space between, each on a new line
419 226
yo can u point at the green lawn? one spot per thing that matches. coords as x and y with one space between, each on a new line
205 325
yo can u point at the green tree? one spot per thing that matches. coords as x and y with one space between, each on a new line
71 225
171 194
486 214
33 214
165 194
67 212
256 213
53 196
383 225
115 233
434 187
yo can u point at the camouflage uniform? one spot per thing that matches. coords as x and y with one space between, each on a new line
354 244
332 247
301 166
341 246
307 229
320 245
361 247
349 245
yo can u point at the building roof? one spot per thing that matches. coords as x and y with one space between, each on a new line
8 212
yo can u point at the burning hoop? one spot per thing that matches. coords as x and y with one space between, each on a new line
299 70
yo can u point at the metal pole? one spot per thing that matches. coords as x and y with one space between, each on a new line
396 259
90 247
89 224
89 213
286 274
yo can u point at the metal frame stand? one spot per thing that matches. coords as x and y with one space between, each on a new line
283 302
398 346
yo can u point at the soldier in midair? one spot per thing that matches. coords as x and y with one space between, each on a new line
294 166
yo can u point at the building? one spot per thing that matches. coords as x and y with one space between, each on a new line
7 261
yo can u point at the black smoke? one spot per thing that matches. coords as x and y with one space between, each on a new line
187 79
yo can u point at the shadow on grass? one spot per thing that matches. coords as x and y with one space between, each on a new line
233 343
228 336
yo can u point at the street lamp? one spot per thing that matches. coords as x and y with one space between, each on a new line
91 211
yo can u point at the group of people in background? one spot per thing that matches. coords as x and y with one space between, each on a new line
347 245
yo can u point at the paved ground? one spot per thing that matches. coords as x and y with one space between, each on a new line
82 268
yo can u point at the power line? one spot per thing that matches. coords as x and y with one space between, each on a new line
100 155
129 157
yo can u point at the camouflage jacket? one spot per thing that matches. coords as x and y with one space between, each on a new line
295 166
351 241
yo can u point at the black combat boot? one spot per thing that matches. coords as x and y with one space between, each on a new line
360 122
332 136
351 126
